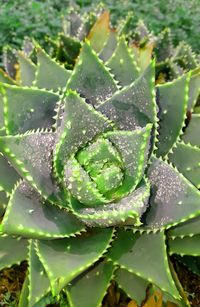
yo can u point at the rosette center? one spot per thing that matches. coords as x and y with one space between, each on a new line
98 169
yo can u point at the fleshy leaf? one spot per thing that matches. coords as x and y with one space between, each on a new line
110 46
38 281
31 155
99 33
88 290
185 57
23 299
164 46
74 255
144 255
98 151
128 209
80 124
174 199
185 246
122 64
187 160
172 100
4 78
188 228
28 215
27 70
50 74
191 134
8 175
7 246
34 108
10 61
194 86
134 286
134 149
3 202
90 78
133 106
79 183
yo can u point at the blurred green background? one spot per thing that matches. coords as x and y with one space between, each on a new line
20 18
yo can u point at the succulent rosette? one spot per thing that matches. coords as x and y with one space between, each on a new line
87 181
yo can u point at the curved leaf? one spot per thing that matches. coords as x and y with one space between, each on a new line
122 64
34 107
80 124
90 78
89 289
73 255
31 155
134 105
50 74
7 246
174 199
146 256
187 160
28 215
172 100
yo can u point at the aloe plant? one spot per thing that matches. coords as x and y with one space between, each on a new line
171 61
99 173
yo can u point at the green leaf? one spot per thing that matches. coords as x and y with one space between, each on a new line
31 155
134 105
172 100
173 198
27 70
145 256
187 160
133 147
8 175
10 61
28 215
122 64
50 75
74 256
128 210
90 77
185 246
23 299
188 228
80 124
185 57
164 46
80 185
12 251
99 33
89 289
98 151
194 88
109 47
3 203
134 286
34 108
39 284
191 134
4 78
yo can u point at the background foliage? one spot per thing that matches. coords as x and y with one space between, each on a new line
20 18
